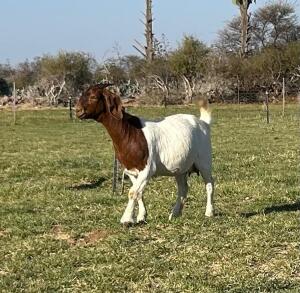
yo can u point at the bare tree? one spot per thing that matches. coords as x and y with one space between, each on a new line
148 50
229 38
163 86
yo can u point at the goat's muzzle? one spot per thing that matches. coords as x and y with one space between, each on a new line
80 113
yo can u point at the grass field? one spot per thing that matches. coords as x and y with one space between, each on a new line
59 223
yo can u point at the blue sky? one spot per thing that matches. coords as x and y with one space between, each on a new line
35 27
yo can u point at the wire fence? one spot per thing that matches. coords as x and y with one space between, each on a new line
266 111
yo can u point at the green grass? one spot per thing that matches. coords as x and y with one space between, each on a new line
59 223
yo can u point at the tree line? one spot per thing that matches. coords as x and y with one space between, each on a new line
252 54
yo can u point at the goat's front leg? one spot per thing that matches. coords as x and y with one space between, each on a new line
141 217
127 218
136 194
182 190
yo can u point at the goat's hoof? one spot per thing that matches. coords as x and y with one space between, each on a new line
209 214
175 214
127 224
141 222
172 215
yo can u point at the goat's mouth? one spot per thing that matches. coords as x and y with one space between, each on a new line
81 115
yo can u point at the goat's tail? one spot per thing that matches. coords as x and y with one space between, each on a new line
205 112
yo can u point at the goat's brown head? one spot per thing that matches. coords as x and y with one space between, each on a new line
96 101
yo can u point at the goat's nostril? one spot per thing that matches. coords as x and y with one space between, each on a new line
80 113
77 111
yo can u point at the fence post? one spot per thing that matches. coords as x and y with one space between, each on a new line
116 167
70 108
14 102
283 96
238 97
267 107
238 91
115 174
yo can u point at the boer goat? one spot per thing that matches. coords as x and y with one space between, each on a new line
175 146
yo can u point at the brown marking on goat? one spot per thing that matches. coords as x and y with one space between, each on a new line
124 129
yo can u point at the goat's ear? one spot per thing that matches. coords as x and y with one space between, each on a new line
114 105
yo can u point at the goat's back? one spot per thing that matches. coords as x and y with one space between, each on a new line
177 142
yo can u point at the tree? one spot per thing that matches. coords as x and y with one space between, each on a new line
25 74
134 66
6 71
292 66
188 62
245 24
229 38
275 24
148 50
4 88
75 69
113 71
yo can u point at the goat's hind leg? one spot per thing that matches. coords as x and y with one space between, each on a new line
209 186
182 190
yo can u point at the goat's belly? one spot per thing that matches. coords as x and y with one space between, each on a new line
173 168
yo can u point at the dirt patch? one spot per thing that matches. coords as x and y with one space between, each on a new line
95 236
90 238
3 273
59 234
4 233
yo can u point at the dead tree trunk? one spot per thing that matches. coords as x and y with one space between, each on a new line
163 86
149 31
245 18
147 51
189 87
245 25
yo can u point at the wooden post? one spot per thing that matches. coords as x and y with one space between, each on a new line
70 108
115 174
116 168
14 102
238 97
283 96
238 91
267 107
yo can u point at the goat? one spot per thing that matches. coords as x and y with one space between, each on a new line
175 146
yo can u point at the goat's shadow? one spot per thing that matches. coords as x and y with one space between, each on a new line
289 207
88 185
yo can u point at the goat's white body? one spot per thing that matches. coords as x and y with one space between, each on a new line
177 145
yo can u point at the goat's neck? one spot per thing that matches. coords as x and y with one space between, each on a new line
128 139
114 127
